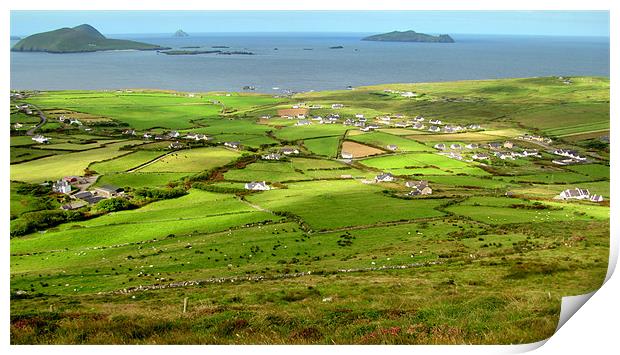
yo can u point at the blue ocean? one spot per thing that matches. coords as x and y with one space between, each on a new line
305 61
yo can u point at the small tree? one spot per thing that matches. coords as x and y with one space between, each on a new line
114 204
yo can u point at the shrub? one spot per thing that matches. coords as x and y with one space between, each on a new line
32 189
218 189
33 221
114 204
159 193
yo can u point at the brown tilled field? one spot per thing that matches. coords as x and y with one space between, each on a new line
360 150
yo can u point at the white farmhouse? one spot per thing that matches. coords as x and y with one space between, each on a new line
271 156
574 194
434 129
40 139
386 177
61 186
257 186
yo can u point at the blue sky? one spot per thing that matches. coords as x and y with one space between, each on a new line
556 23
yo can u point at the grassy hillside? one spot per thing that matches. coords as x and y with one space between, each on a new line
327 255
82 38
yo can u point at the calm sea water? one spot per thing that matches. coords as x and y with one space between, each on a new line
293 68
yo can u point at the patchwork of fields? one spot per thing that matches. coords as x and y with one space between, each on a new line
331 249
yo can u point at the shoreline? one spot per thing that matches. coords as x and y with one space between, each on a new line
270 91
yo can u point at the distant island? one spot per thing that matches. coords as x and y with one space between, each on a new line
236 52
336 47
15 38
220 47
189 52
82 38
180 33
409 36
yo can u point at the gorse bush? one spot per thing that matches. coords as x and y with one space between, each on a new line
33 221
32 189
114 204
159 193
216 188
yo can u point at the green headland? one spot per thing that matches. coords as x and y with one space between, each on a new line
409 36
82 38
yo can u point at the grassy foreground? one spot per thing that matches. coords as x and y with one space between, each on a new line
327 256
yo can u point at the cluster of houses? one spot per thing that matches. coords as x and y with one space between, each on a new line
407 94
578 194
69 120
83 198
41 139
22 108
17 95
456 146
68 186
417 123
175 145
571 157
294 112
512 155
174 135
535 138
276 156
301 113
233 145
25 108
564 80
420 187
493 146
169 135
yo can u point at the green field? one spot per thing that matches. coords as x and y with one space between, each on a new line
594 171
57 166
293 133
194 160
216 126
551 190
125 162
467 181
566 177
406 164
498 210
327 256
266 171
138 179
381 140
245 139
140 110
21 203
335 204
21 154
327 146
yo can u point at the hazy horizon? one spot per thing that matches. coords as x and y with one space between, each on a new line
517 23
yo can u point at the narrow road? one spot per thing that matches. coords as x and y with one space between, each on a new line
30 132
